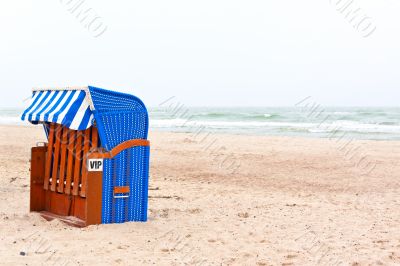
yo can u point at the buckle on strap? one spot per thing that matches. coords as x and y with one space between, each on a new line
121 192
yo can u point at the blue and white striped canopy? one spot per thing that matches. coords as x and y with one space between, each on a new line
69 107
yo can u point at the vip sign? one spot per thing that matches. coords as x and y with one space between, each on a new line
95 165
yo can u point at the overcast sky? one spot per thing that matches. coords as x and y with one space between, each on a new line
219 53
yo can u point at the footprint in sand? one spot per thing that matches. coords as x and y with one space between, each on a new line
394 257
289 257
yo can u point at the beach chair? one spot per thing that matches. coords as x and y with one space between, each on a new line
94 167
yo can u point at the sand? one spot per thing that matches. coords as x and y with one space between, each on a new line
224 200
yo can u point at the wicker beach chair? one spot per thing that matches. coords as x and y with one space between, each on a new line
95 166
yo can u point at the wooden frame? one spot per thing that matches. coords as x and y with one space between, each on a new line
61 185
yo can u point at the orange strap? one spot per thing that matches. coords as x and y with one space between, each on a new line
121 190
123 146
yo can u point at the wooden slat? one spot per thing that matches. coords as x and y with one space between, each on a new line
63 160
49 157
38 166
57 141
71 158
78 158
95 137
74 221
93 197
87 143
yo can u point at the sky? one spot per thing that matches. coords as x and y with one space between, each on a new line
205 53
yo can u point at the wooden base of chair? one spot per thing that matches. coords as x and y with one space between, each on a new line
54 195
73 209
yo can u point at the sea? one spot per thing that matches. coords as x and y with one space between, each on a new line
370 123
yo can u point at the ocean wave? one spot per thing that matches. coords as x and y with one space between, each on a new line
236 116
265 116
319 130
372 123
231 124
341 125
214 115
344 113
388 123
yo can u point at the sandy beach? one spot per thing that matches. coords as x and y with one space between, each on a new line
224 200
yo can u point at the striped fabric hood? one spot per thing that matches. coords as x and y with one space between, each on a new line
71 107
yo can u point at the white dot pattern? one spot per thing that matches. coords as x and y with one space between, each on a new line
122 117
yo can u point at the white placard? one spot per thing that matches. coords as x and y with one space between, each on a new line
95 165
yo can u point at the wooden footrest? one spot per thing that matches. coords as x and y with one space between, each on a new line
71 220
